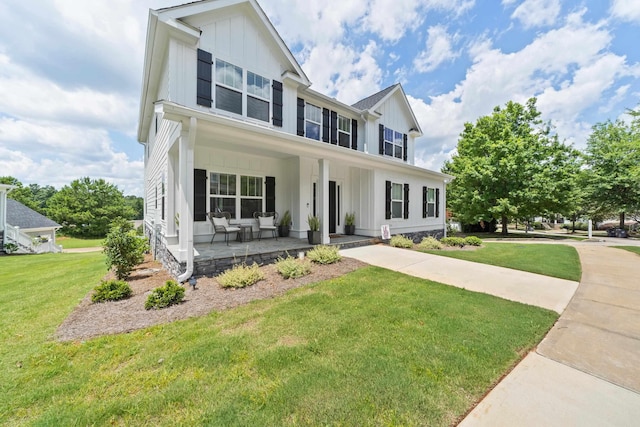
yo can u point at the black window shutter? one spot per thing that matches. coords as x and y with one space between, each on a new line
199 195
406 201
381 138
300 120
270 194
334 127
354 134
424 202
437 202
404 151
203 90
277 103
387 203
325 124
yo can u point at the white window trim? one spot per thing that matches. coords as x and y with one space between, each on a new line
238 197
348 133
393 144
307 119
400 200
431 191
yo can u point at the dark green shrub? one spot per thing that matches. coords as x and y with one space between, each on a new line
111 290
399 241
123 248
164 296
453 241
472 241
324 254
292 268
240 276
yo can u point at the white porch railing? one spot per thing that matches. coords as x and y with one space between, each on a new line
27 244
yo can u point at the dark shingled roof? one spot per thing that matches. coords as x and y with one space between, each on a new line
18 215
370 101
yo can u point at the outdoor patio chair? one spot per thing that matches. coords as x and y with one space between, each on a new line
220 221
267 222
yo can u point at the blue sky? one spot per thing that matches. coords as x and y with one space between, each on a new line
70 72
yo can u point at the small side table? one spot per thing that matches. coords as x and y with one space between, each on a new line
245 234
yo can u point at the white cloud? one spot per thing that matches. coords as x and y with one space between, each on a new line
537 13
626 10
439 49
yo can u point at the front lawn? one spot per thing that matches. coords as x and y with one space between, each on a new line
560 261
373 347
75 243
634 249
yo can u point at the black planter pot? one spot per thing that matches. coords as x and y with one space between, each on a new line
283 230
349 230
314 237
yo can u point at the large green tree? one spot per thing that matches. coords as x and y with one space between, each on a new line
613 168
86 207
509 165
21 193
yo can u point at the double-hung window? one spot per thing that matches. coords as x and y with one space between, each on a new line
258 96
431 202
393 143
344 131
313 121
222 188
250 195
397 201
228 87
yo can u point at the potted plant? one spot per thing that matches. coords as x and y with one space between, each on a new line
285 225
313 234
350 223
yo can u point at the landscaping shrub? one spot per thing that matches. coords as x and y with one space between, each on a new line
292 268
399 241
164 296
472 241
430 243
123 248
453 241
240 276
111 290
324 254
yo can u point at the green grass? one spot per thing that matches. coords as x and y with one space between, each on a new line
634 249
75 243
373 347
560 261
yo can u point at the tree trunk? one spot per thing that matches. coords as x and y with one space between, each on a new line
622 220
504 225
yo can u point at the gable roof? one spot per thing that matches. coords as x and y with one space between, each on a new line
373 100
18 215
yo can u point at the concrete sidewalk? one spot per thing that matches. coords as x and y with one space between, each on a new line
586 372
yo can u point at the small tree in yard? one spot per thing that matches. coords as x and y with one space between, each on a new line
124 249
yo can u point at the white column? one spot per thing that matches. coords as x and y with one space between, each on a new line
186 146
323 199
444 206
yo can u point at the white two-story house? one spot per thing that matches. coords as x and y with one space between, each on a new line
229 122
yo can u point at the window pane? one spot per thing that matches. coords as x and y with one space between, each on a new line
431 195
258 85
344 124
249 206
214 183
344 139
228 74
398 151
396 210
388 134
312 130
388 149
313 113
228 100
398 138
431 209
396 192
224 204
257 109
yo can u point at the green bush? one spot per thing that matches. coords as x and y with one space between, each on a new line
430 243
399 241
112 290
123 248
324 254
473 241
292 268
240 276
453 241
164 296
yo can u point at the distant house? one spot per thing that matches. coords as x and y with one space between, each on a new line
30 231
229 122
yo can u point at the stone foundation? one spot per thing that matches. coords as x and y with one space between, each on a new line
419 235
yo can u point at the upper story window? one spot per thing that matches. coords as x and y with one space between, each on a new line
344 131
228 87
258 96
393 143
313 121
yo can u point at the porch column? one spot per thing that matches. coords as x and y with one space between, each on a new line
186 143
444 206
323 199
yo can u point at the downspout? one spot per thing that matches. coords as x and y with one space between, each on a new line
186 184
444 203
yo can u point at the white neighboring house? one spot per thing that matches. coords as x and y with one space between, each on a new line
229 122
25 228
